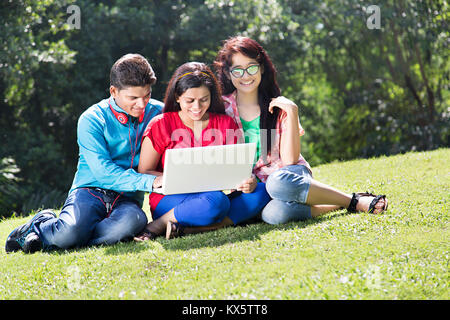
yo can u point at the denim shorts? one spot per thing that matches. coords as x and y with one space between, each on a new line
288 187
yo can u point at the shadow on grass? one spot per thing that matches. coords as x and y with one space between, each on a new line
217 238
123 247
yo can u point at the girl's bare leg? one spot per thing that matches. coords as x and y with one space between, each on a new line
158 226
322 194
321 209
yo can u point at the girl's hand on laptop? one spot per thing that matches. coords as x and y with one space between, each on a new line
248 186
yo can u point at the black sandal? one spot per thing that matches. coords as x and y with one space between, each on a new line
174 230
355 198
146 233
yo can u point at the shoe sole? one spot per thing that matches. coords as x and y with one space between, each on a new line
33 245
11 242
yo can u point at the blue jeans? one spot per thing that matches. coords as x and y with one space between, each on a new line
84 221
288 187
206 208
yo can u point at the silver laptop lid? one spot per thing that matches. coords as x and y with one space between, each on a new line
188 170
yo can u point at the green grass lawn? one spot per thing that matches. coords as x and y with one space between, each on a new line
401 254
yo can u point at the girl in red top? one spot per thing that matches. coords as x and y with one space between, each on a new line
193 116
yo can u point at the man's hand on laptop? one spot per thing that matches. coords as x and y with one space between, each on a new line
157 183
247 186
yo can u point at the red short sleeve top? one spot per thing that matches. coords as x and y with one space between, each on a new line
167 131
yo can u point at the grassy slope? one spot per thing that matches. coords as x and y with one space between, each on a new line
402 254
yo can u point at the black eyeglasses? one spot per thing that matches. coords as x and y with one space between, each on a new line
239 72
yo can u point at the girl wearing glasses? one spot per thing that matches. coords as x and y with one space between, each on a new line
252 97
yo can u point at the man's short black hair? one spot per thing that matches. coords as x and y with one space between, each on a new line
131 70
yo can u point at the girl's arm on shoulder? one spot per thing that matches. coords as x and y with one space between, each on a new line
290 137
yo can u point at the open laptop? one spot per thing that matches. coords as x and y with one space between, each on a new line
198 169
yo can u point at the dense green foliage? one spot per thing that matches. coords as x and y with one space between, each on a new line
362 92
399 255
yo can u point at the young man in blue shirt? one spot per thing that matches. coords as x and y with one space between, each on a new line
105 200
